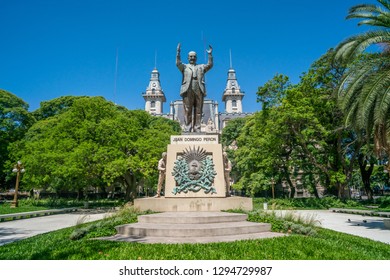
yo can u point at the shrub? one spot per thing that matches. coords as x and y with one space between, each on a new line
384 202
289 223
325 202
106 226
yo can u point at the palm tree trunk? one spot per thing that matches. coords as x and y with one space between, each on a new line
366 174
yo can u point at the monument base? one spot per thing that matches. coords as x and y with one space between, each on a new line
195 204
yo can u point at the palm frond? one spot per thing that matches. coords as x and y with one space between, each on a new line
385 3
374 15
351 116
371 94
350 48
355 76
352 86
381 84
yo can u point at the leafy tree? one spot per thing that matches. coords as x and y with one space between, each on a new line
327 146
365 88
14 122
232 130
264 152
54 107
273 91
94 143
301 137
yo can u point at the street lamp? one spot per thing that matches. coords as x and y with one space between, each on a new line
273 187
18 168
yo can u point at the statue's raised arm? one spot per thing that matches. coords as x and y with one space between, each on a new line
210 63
209 51
178 58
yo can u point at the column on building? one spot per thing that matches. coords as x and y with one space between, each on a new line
154 96
216 117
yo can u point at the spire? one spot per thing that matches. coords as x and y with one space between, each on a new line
155 59
232 96
154 96
231 64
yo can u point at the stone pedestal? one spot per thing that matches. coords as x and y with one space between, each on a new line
207 144
210 204
194 178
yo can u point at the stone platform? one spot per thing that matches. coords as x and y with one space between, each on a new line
193 204
192 227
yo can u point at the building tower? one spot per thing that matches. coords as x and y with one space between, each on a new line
154 96
232 96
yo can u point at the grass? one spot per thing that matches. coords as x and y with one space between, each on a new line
5 209
326 246
383 203
27 205
76 243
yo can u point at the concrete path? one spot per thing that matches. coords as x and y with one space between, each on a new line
20 229
363 226
373 228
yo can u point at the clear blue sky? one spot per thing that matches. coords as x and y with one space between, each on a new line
68 47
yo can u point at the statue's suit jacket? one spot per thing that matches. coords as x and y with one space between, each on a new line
188 72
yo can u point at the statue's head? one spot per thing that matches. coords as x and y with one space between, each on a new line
164 155
192 57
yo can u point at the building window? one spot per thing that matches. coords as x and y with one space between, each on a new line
233 90
153 91
234 103
152 104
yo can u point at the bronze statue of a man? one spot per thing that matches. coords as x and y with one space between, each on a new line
227 164
162 163
193 88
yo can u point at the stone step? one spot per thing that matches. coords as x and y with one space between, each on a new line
191 230
192 218
192 227
187 240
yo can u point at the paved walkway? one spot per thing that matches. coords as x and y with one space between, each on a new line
363 226
373 228
20 229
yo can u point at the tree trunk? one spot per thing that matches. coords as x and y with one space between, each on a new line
313 179
366 174
288 179
131 192
286 173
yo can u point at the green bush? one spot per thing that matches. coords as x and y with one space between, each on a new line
105 227
325 202
287 224
384 202
63 203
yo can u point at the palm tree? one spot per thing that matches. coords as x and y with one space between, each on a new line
365 89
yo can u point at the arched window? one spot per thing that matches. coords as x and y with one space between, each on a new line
153 91
153 104
233 90
234 103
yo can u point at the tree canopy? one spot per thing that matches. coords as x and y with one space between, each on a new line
93 143
14 122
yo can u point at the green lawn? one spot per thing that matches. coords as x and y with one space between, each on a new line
76 244
381 204
27 205
5 208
